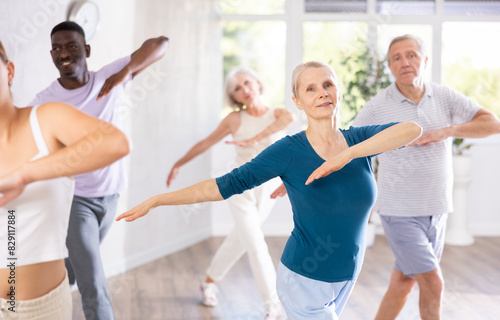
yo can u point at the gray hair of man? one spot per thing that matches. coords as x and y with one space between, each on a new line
231 84
419 42
310 64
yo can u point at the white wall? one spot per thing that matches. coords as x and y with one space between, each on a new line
483 200
174 104
170 106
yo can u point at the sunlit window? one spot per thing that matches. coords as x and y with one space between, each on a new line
343 46
473 69
252 7
260 46
353 36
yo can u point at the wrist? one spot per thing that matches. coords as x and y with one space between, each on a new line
449 132
23 175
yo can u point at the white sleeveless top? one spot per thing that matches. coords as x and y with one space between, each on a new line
249 127
41 216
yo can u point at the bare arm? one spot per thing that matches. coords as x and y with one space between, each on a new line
219 133
483 124
201 192
83 143
151 51
284 118
391 138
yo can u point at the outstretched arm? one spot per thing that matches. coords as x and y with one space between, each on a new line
284 118
389 139
151 51
78 143
483 124
219 133
201 192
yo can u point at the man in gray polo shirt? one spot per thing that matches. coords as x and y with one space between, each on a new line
415 183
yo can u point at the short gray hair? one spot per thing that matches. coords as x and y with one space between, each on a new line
310 64
230 84
419 42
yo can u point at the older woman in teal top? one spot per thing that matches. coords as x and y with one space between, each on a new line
328 176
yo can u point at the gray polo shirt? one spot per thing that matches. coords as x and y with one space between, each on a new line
417 181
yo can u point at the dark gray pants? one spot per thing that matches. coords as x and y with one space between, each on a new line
89 222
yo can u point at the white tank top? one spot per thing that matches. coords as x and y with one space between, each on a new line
41 216
249 127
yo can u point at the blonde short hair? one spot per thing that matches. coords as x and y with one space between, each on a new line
311 64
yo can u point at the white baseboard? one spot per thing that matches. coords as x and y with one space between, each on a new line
485 230
160 251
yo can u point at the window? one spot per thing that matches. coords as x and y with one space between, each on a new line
466 7
259 45
473 69
353 6
274 36
253 7
405 7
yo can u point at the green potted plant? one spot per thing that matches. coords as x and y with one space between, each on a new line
459 147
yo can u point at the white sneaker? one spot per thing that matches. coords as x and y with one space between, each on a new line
273 311
209 294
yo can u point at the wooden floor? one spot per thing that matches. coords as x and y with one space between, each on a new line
167 289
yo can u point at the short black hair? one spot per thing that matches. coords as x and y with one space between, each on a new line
68 26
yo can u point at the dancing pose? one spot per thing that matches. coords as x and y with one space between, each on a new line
327 172
40 147
98 94
415 183
253 128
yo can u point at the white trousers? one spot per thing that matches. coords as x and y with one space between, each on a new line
249 210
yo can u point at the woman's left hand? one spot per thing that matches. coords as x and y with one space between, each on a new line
137 211
11 186
328 167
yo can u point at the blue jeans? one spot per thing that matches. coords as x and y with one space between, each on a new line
89 222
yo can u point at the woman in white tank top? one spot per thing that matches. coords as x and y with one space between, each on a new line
39 148
253 127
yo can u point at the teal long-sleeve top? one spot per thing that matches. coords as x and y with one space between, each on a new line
330 214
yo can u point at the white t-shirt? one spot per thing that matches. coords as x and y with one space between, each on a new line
111 179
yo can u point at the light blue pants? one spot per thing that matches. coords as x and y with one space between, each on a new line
304 298
89 222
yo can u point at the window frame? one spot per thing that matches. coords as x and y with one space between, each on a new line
295 16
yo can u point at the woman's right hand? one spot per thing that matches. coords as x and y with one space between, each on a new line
173 174
279 192
11 186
